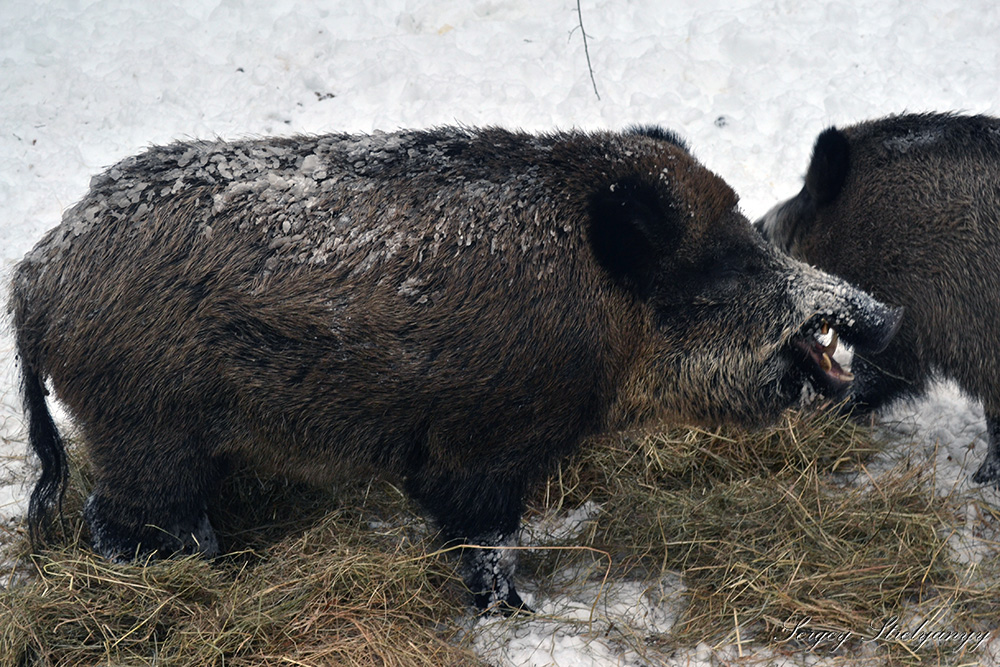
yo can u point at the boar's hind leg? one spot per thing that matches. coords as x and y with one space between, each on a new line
150 499
989 471
482 510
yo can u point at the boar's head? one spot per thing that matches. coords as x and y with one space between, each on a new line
735 326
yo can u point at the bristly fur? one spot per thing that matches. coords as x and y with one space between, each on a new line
658 132
457 307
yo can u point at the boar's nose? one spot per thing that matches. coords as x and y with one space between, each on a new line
874 332
863 321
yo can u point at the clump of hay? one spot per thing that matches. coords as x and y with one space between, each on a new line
315 586
778 527
767 529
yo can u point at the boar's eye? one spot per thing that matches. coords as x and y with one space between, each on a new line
723 274
713 281
728 267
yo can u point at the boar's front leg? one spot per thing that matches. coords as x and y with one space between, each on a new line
989 471
483 510
489 574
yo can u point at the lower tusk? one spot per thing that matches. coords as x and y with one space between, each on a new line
825 363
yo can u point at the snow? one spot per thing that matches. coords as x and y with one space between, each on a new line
748 83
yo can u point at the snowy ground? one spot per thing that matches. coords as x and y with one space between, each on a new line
749 83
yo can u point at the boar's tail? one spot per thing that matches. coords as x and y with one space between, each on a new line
48 446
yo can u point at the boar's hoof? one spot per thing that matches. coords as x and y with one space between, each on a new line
989 472
119 541
489 575
487 603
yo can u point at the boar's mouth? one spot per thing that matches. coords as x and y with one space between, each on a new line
816 358
868 328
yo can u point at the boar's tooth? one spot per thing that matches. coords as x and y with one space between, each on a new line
825 363
825 327
832 346
847 376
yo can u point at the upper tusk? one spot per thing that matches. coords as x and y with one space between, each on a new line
832 346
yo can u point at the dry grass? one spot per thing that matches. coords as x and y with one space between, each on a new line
319 587
779 527
767 529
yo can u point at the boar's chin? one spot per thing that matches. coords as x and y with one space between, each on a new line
741 388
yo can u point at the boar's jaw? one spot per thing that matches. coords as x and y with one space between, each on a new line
828 376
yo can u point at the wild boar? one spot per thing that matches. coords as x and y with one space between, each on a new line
456 307
908 208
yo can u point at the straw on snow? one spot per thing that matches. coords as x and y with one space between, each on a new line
766 528
777 527
315 585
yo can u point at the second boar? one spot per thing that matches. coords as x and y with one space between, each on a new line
908 208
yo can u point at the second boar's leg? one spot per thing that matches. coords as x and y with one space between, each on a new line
989 471
484 510
895 373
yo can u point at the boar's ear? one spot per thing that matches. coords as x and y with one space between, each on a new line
658 133
828 167
630 231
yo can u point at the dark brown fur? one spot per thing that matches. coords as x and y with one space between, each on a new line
458 307
908 208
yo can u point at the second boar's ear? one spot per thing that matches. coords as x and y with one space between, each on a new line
630 232
831 160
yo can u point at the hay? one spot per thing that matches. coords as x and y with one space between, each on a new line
778 527
321 587
767 529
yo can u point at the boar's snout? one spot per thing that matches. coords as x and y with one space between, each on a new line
877 326
832 306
